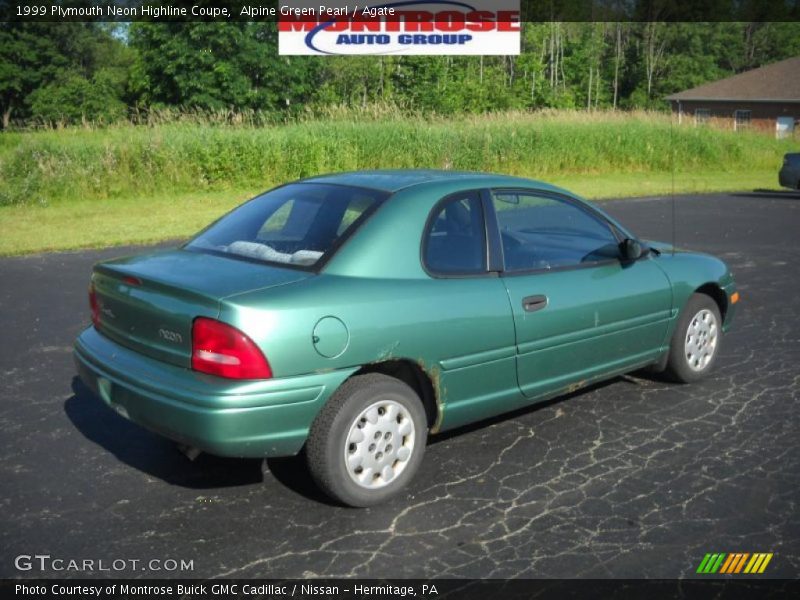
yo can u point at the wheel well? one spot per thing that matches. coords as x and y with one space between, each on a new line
717 294
413 375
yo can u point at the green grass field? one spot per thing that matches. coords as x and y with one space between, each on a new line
75 188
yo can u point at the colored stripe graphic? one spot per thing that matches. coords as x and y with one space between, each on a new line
731 566
702 567
734 563
764 564
711 563
717 563
754 563
740 564
727 564
758 563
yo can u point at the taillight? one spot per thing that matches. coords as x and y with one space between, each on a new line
94 305
222 350
130 280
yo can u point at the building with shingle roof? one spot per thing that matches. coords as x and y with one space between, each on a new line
767 99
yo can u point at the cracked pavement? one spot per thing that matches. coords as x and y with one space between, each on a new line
629 478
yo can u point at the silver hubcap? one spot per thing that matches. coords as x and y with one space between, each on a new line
379 445
701 340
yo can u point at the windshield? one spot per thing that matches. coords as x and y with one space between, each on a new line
295 225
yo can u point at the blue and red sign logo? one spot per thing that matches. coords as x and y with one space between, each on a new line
401 28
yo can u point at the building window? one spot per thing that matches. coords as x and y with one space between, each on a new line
741 119
701 116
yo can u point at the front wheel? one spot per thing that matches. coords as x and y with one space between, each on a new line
696 341
368 440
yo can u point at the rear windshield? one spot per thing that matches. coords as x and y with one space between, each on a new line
294 225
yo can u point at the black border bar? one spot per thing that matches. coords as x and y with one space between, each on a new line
530 10
367 589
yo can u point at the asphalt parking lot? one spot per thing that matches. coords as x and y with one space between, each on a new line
631 478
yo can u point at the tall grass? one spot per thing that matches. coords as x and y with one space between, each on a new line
183 156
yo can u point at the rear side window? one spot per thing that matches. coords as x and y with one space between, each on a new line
455 240
542 232
296 225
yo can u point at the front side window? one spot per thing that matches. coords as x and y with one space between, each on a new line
542 232
295 225
455 241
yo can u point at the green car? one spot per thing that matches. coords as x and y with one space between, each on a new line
352 315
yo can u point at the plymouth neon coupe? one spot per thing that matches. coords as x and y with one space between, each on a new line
349 316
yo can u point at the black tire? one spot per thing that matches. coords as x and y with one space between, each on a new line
686 366
328 439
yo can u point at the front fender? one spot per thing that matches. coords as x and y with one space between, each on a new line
690 272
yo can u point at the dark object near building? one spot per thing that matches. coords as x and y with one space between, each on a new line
789 176
766 99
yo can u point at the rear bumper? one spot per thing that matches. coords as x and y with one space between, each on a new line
218 416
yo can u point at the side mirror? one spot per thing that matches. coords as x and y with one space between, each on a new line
631 249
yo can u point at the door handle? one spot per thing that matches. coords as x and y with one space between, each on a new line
534 303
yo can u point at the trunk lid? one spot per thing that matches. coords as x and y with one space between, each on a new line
148 303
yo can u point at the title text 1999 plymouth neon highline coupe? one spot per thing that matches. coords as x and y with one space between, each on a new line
354 314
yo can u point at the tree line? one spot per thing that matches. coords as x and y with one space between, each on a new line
67 73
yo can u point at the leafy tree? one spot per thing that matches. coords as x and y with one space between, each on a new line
73 98
190 64
74 71
29 59
39 56
216 66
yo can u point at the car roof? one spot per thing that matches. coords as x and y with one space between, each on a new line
394 180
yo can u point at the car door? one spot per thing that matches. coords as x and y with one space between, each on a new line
580 311
467 324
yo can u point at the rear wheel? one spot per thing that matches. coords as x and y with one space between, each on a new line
368 440
696 341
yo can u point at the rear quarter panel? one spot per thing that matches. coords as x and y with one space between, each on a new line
459 331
